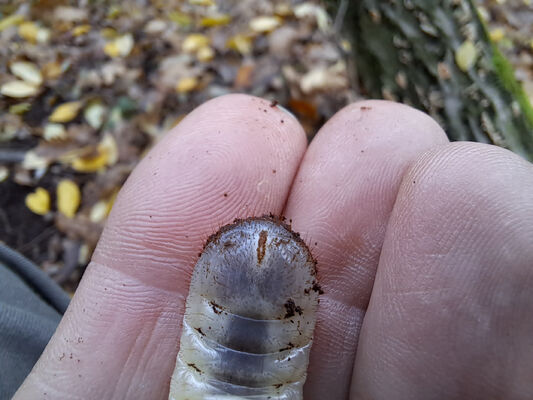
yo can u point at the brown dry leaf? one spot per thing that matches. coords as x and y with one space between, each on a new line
66 112
38 201
18 89
243 79
303 108
68 197
54 69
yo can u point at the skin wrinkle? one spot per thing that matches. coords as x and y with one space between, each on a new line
465 363
334 198
274 146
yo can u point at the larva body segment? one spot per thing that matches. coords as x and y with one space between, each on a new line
250 315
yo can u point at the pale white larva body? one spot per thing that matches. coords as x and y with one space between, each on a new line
250 316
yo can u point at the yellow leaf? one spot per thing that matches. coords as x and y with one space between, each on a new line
466 55
65 112
206 3
215 20
14 19
194 42
19 108
27 71
120 47
497 34
28 31
109 33
265 24
205 54
186 85
38 201
81 30
54 132
241 43
18 89
106 154
179 18
68 197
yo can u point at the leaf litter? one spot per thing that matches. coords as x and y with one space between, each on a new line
86 88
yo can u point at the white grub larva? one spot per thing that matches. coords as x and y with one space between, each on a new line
250 316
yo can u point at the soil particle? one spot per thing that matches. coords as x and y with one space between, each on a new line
291 309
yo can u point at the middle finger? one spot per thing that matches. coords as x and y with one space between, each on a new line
340 202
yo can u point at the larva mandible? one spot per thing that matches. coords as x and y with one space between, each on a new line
250 316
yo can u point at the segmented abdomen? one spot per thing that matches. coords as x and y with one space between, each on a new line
250 315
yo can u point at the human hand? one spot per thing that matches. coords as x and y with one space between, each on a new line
424 249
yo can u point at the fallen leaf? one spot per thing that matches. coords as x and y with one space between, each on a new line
187 84
18 89
180 19
27 71
265 24
215 20
206 3
243 79
65 112
38 201
106 155
303 108
466 55
81 30
13 19
54 69
241 43
19 108
53 132
94 114
120 47
194 42
71 14
33 33
32 161
205 54
310 10
68 197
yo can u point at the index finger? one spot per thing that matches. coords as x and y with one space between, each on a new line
234 156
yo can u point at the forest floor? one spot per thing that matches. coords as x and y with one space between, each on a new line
98 84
